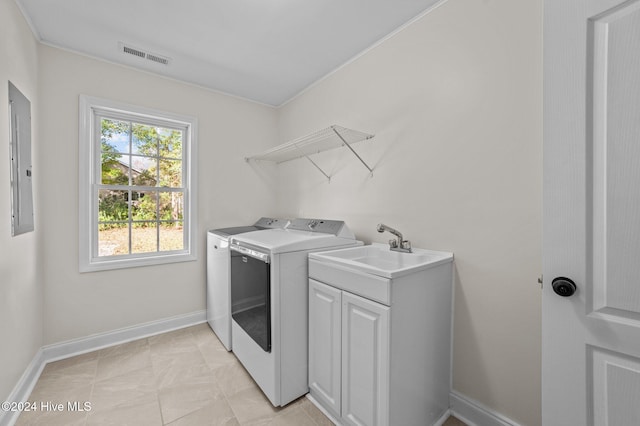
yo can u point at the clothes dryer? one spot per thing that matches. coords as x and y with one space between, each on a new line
218 275
269 293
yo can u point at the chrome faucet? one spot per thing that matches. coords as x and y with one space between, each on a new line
399 244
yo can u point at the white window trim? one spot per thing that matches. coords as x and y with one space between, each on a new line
88 151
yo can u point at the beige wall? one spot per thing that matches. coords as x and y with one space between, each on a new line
20 271
455 101
78 305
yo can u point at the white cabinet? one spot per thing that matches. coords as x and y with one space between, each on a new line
381 364
349 355
365 361
325 340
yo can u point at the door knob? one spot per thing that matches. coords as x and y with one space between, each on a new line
564 287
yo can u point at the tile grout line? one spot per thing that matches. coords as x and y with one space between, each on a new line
155 383
93 385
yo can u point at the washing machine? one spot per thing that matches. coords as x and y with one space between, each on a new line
218 274
269 294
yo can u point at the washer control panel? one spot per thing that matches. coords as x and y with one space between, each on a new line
334 227
268 222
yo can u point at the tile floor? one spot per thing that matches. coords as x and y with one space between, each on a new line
183 377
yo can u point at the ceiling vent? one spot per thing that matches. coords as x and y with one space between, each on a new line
141 53
159 59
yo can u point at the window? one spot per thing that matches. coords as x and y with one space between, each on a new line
137 186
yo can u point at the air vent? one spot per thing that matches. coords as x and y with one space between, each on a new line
158 59
140 53
132 51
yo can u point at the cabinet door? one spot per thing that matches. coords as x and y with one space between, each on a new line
324 345
365 361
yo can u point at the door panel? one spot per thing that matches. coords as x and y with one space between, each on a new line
616 388
616 155
591 210
365 361
325 310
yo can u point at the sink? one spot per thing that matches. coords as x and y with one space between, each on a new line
378 259
379 333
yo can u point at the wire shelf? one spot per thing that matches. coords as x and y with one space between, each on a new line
323 140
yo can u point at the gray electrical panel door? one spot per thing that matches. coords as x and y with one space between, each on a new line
20 138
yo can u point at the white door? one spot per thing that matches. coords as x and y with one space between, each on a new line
365 362
591 339
325 341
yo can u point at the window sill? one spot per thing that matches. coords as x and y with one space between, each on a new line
121 262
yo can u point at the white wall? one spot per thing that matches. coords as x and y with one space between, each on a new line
78 305
455 101
20 271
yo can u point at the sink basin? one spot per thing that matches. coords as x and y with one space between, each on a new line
378 259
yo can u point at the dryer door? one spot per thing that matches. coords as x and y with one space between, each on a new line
251 296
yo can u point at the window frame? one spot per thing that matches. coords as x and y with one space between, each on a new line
90 108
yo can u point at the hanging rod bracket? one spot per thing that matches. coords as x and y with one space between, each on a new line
352 150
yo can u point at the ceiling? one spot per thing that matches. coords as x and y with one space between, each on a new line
263 50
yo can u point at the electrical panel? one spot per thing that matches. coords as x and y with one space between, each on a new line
21 171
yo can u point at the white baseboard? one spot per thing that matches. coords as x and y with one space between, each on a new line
474 413
443 418
438 422
323 410
74 347
94 342
23 388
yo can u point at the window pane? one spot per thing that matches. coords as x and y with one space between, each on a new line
170 143
171 206
114 136
144 205
113 205
171 173
115 169
144 139
144 237
171 236
113 239
144 171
